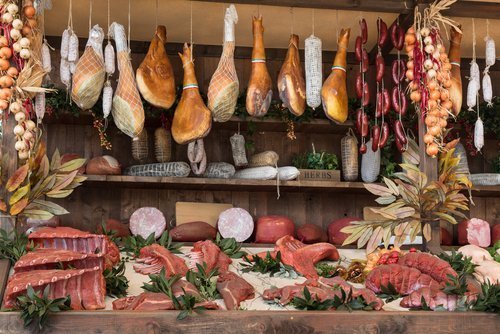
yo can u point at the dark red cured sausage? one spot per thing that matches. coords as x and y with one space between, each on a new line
359 116
366 95
365 61
386 105
400 38
362 148
393 30
365 123
395 99
400 146
364 31
359 86
398 71
375 137
378 106
382 32
404 103
380 66
399 132
357 48
384 135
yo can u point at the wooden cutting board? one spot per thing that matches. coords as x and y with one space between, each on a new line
187 212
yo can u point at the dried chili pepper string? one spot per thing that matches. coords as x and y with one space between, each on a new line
363 139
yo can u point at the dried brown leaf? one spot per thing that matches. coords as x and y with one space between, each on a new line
17 178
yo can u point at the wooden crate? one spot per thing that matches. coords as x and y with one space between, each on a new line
319 175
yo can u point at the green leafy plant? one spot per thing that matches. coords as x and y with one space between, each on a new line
13 245
461 264
36 307
496 165
39 178
206 283
186 303
230 247
116 281
111 234
316 160
389 293
343 302
493 250
270 265
411 204
327 270
132 245
489 299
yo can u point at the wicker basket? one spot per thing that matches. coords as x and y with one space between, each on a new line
163 145
370 164
485 179
140 147
349 153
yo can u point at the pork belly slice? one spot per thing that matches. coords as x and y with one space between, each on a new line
46 258
86 287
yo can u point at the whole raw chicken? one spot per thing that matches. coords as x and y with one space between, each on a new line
334 91
488 271
259 93
155 76
291 84
192 119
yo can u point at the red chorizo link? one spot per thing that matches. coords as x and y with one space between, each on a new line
399 132
365 61
400 38
398 71
393 30
359 116
359 86
378 106
358 48
362 148
384 135
395 99
386 105
382 32
365 123
380 66
364 31
366 94
404 103
375 137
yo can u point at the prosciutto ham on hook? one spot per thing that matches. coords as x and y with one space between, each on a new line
155 76
291 83
259 92
192 119
334 91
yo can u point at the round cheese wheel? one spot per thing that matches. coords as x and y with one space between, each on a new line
235 223
271 228
147 220
310 234
334 235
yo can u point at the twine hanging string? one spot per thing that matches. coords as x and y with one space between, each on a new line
156 13
487 28
313 21
191 30
129 14
291 20
473 40
90 15
337 23
108 21
70 16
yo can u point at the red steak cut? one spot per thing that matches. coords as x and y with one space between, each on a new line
404 279
155 257
428 264
208 252
287 293
45 258
78 241
303 257
86 287
234 289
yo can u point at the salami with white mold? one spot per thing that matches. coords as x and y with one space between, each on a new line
147 220
235 223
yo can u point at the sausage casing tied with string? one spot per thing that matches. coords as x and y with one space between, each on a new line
359 86
382 32
399 132
398 71
380 66
386 98
364 30
375 137
384 135
358 47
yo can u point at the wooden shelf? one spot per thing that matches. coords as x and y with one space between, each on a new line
260 124
194 183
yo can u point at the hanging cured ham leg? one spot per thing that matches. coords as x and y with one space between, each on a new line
291 84
259 93
127 110
155 76
334 91
456 79
192 119
224 86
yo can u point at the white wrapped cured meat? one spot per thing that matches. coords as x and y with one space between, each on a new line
235 223
490 54
219 170
166 169
370 164
288 173
257 173
109 58
147 220
223 89
349 153
127 110
89 75
314 71
479 134
487 89
238 150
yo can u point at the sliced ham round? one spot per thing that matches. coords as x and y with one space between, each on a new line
475 232
334 235
271 228
235 223
147 220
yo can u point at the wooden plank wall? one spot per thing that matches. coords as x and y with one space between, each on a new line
89 206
